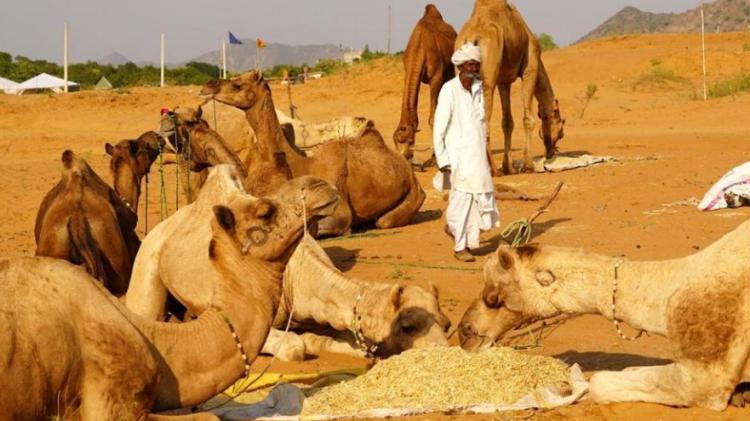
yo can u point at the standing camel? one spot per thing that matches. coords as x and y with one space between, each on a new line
427 60
376 184
511 51
69 350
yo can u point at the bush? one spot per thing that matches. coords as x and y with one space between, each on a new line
547 42
735 85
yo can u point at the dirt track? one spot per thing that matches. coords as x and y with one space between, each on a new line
670 148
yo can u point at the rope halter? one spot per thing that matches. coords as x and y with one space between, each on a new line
618 264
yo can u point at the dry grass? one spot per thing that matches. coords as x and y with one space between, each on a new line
440 379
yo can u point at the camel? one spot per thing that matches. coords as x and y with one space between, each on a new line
389 318
230 123
700 303
130 161
376 184
510 50
327 299
427 60
71 350
84 221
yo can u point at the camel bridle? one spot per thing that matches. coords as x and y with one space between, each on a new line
618 265
355 326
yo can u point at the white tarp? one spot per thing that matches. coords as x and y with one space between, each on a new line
8 86
730 192
43 81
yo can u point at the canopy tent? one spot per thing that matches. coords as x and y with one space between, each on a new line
8 86
43 81
103 84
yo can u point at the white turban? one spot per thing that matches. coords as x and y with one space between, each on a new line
467 52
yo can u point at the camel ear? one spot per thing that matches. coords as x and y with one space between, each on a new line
434 291
491 297
395 296
225 218
505 258
109 149
545 278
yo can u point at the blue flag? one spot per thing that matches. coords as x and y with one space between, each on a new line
233 39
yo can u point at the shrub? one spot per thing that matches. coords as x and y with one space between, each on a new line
547 42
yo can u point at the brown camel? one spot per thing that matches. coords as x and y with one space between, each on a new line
71 350
260 177
510 50
376 184
131 161
84 221
427 60
699 303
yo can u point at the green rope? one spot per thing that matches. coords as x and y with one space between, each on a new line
417 266
162 190
522 228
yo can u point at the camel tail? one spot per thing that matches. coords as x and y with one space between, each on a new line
84 248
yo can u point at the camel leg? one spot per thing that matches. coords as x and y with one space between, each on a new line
317 344
529 121
285 348
673 385
508 125
490 75
402 214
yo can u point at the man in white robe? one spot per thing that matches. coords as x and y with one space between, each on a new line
460 143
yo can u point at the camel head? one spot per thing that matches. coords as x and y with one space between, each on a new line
552 129
404 139
269 228
243 91
130 161
181 121
518 288
410 317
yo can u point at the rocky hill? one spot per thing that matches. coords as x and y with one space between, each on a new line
721 16
243 57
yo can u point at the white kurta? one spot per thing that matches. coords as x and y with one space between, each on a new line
459 139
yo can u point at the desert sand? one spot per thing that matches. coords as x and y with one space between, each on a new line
670 147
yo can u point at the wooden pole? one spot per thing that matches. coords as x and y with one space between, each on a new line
161 83
65 56
224 57
388 45
703 48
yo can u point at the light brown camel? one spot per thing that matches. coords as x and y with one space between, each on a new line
84 221
376 184
391 318
161 268
427 60
130 161
700 303
510 50
69 349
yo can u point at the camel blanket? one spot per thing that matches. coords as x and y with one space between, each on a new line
566 162
731 191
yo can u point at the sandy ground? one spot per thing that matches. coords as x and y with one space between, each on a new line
670 148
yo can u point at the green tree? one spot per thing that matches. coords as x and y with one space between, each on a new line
547 42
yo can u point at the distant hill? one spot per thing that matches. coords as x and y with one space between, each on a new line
113 59
722 15
242 57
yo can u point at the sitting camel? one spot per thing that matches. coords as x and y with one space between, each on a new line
130 161
376 184
84 221
510 50
700 303
69 350
427 60
160 268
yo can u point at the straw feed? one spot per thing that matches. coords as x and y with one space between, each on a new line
441 379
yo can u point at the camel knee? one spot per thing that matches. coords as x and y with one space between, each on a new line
529 123
508 123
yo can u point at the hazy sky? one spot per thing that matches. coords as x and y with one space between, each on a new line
131 27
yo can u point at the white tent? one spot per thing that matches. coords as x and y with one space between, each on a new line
43 81
8 86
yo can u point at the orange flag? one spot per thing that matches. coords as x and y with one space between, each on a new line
259 43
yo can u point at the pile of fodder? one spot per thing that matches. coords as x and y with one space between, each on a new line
441 379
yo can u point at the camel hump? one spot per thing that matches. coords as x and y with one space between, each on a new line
432 11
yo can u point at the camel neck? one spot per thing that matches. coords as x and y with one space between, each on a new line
584 285
128 187
271 140
200 359
209 149
414 69
545 95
